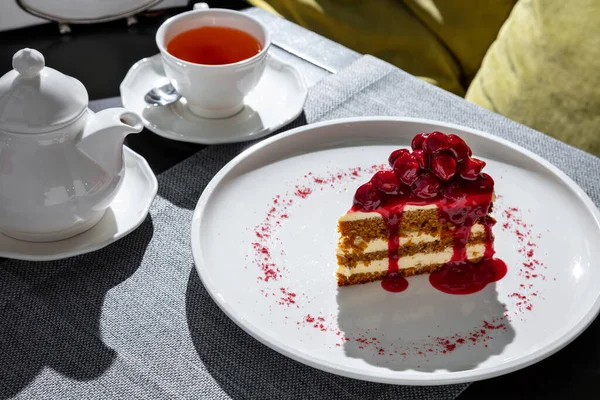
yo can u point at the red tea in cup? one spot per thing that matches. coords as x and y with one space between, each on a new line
214 45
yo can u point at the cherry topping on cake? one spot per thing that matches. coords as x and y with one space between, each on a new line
440 167
436 142
367 197
395 154
406 168
417 142
470 168
453 191
439 171
426 186
421 158
386 182
459 149
483 183
444 166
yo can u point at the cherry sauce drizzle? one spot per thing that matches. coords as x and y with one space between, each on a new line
393 281
458 276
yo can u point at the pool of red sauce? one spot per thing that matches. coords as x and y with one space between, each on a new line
458 276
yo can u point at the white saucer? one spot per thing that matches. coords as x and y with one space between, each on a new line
127 211
276 101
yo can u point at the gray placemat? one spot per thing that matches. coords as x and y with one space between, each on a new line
305 44
134 321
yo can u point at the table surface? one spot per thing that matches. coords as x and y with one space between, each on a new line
100 55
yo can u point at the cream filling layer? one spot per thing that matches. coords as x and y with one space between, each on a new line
412 238
415 261
358 215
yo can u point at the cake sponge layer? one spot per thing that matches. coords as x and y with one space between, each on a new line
407 266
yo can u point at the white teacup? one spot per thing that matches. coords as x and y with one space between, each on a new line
213 91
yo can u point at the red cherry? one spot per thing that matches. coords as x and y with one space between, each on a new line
436 142
444 166
395 154
403 190
426 186
422 158
406 168
386 182
367 197
470 168
453 191
483 183
417 142
459 149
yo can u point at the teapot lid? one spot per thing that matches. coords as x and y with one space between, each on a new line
38 99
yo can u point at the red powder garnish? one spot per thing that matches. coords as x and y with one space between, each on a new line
479 335
530 253
302 191
288 298
526 238
279 210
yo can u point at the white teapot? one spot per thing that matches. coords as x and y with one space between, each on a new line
60 164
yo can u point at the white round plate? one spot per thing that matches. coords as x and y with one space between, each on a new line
85 11
126 212
264 239
277 100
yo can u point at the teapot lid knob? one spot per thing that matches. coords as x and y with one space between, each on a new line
35 98
28 63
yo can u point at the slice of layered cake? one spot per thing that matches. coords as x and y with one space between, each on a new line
430 209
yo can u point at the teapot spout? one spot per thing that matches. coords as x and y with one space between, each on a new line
103 136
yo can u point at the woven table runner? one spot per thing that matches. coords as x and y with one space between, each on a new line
133 320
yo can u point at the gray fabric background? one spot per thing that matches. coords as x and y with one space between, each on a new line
134 321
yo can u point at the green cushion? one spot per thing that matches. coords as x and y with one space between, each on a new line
543 70
440 41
